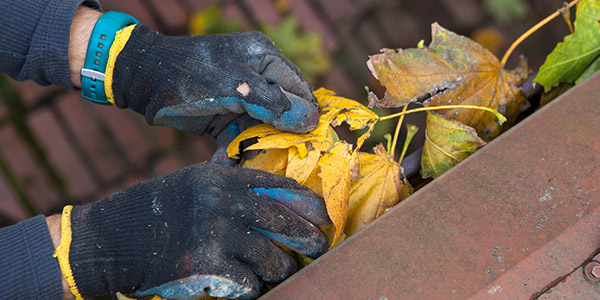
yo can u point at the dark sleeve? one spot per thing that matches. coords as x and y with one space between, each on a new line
34 39
29 270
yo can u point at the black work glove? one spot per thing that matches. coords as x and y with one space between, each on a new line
198 84
202 229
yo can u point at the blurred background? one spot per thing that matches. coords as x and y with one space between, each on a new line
57 148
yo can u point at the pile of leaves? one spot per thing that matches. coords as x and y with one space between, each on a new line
358 186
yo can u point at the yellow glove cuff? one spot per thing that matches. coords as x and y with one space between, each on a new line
120 40
62 251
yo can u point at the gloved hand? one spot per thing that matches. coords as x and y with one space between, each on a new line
202 229
198 84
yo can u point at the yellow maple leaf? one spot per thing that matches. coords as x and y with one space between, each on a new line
270 137
313 181
154 297
334 111
271 160
378 188
335 177
300 168
339 109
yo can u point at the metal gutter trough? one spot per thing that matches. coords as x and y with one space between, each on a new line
519 219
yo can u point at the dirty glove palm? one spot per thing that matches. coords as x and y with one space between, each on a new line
204 228
190 83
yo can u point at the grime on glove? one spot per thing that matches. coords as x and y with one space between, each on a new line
204 229
198 84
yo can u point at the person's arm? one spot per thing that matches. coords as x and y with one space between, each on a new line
34 40
26 259
53 223
81 28
44 41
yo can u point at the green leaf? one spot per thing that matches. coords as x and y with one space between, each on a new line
447 142
305 50
554 93
505 11
572 57
594 66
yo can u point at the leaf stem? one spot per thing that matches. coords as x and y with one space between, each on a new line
411 130
566 13
388 138
501 118
397 131
531 31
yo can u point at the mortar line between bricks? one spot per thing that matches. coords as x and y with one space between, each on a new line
72 139
156 16
188 9
108 135
12 181
385 38
50 100
319 11
17 114
142 170
4 121
153 13
6 220
363 8
252 19
46 100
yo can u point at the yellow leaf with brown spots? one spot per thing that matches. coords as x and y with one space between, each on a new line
339 109
378 188
453 69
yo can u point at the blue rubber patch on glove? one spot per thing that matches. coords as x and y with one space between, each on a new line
309 247
196 286
302 116
310 207
220 157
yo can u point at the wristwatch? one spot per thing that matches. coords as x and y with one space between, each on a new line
96 57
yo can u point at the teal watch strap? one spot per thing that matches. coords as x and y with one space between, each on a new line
96 57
